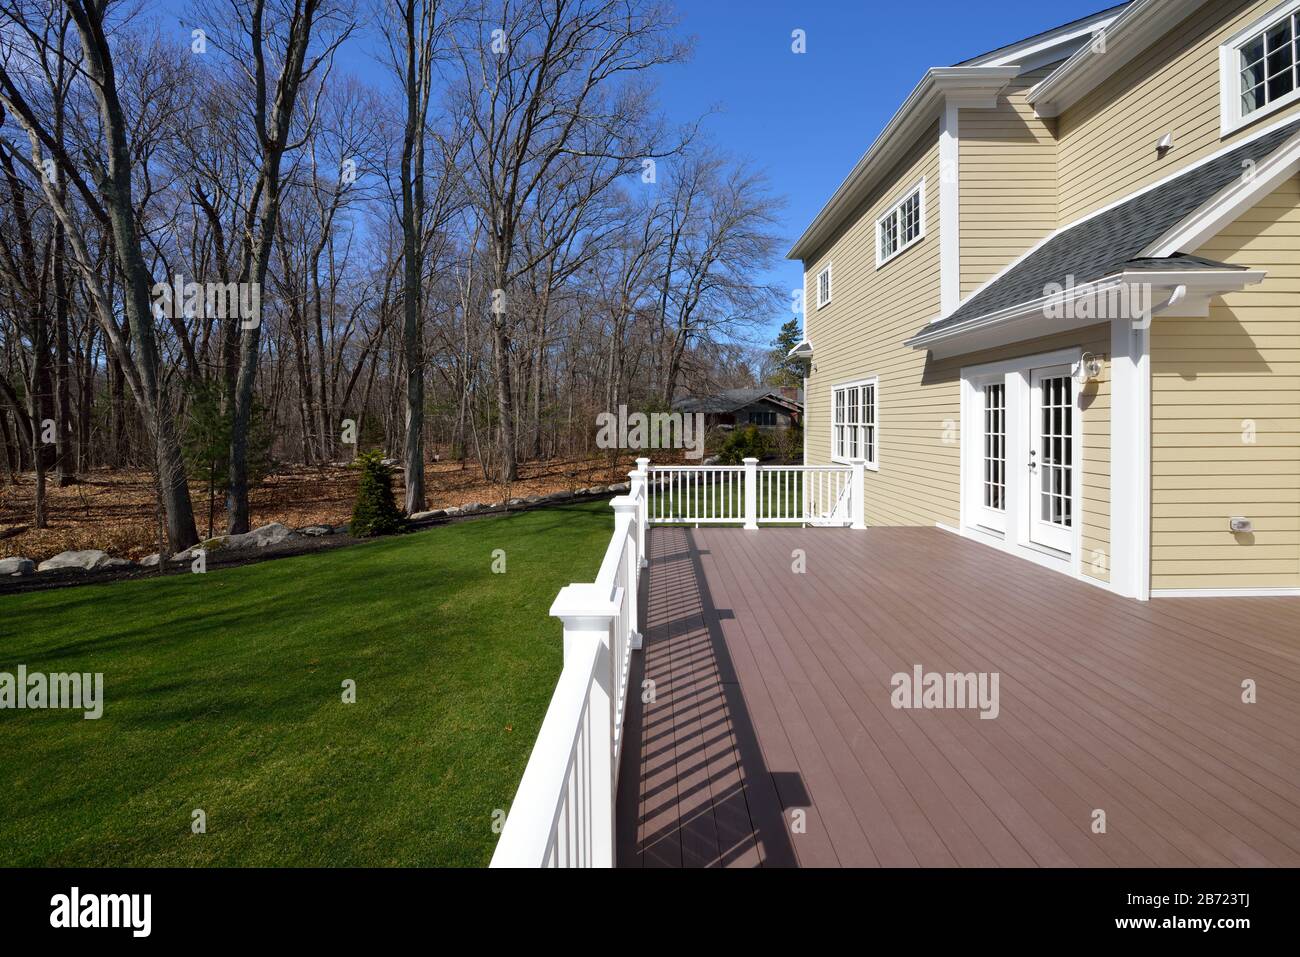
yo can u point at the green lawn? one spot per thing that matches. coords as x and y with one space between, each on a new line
223 692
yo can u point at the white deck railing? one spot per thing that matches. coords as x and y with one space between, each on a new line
753 494
563 812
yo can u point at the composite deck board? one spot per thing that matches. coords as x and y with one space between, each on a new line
771 739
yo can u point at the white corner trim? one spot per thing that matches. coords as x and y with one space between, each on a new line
1255 183
1130 459
1262 592
949 210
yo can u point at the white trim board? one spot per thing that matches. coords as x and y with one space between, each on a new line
1038 558
949 210
1225 206
1278 592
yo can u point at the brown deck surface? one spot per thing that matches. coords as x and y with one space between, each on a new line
772 694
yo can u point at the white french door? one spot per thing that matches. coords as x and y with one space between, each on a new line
1050 471
1020 456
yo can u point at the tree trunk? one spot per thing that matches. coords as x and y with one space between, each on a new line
65 456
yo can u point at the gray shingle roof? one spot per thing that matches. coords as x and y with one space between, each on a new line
1111 241
729 401
1177 261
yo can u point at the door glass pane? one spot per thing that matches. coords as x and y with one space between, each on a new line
995 437
1056 468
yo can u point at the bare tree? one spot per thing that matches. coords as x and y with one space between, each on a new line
266 34
542 81
111 203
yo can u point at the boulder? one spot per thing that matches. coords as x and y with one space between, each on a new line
272 534
471 508
151 561
16 567
426 516
454 511
517 502
315 531
712 460
618 487
340 529
89 559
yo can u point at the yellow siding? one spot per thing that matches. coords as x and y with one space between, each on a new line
1008 182
1212 380
861 333
1107 140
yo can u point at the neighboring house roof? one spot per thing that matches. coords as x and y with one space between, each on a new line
1114 240
732 400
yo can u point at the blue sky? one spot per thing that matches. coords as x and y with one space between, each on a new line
807 118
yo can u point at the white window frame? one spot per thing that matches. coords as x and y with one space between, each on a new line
1231 117
918 189
872 462
821 303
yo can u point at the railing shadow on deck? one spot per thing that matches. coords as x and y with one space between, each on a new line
744 806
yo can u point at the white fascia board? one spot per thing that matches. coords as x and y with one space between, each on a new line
977 84
1048 47
1178 291
1138 26
1230 202
804 350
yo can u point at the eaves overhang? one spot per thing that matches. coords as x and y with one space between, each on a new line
1178 292
970 86
1137 27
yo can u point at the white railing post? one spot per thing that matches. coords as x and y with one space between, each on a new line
631 507
588 614
642 474
751 494
859 495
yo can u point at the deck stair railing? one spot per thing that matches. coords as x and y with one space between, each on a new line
563 812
